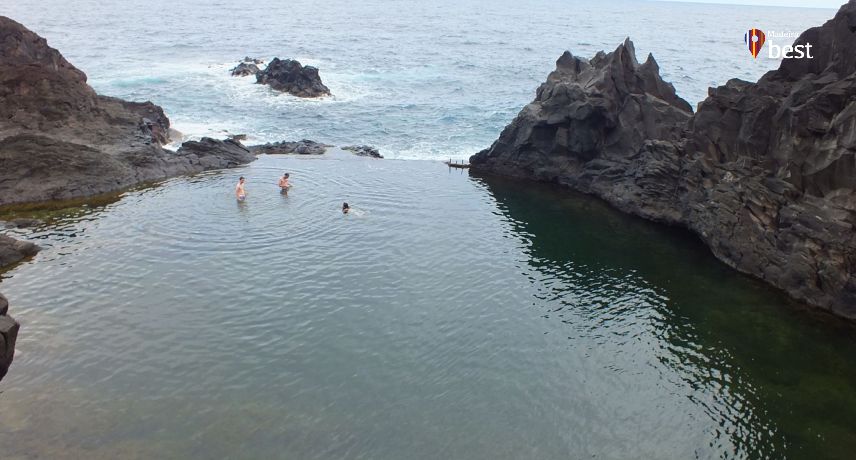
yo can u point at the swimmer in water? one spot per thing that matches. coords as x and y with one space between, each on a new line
240 193
283 183
345 208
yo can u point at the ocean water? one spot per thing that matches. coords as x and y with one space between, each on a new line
448 316
424 80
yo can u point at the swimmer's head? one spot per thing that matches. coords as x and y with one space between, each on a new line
345 207
285 175
241 179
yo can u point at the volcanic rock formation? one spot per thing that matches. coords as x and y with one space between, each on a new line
60 140
245 69
304 147
290 76
363 151
764 173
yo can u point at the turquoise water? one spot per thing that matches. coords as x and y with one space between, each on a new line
448 317
416 79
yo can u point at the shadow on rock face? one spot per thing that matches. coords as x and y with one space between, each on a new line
764 173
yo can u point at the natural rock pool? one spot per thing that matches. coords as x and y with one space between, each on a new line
448 316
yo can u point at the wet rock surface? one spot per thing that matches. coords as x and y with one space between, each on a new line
764 173
244 69
363 151
61 140
8 336
290 76
13 251
303 147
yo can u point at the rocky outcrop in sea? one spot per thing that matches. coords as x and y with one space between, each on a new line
290 76
303 147
60 140
245 69
363 151
764 173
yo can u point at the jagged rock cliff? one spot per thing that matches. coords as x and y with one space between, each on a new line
765 172
60 140
590 127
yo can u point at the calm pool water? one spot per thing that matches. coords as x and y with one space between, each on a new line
448 317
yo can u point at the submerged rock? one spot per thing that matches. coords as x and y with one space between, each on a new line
363 151
764 173
304 147
61 140
8 336
13 251
290 76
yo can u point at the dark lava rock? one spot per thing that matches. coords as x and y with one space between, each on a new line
291 77
588 117
13 251
304 147
8 335
210 153
60 140
363 151
245 69
772 178
764 173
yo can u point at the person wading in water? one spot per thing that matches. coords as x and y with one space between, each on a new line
283 183
240 193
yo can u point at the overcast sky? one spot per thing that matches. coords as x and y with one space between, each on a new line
804 3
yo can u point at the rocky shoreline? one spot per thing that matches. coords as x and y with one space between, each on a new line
763 172
12 251
60 140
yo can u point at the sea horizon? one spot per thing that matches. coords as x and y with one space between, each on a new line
410 84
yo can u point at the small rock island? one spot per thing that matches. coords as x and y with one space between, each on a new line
286 75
